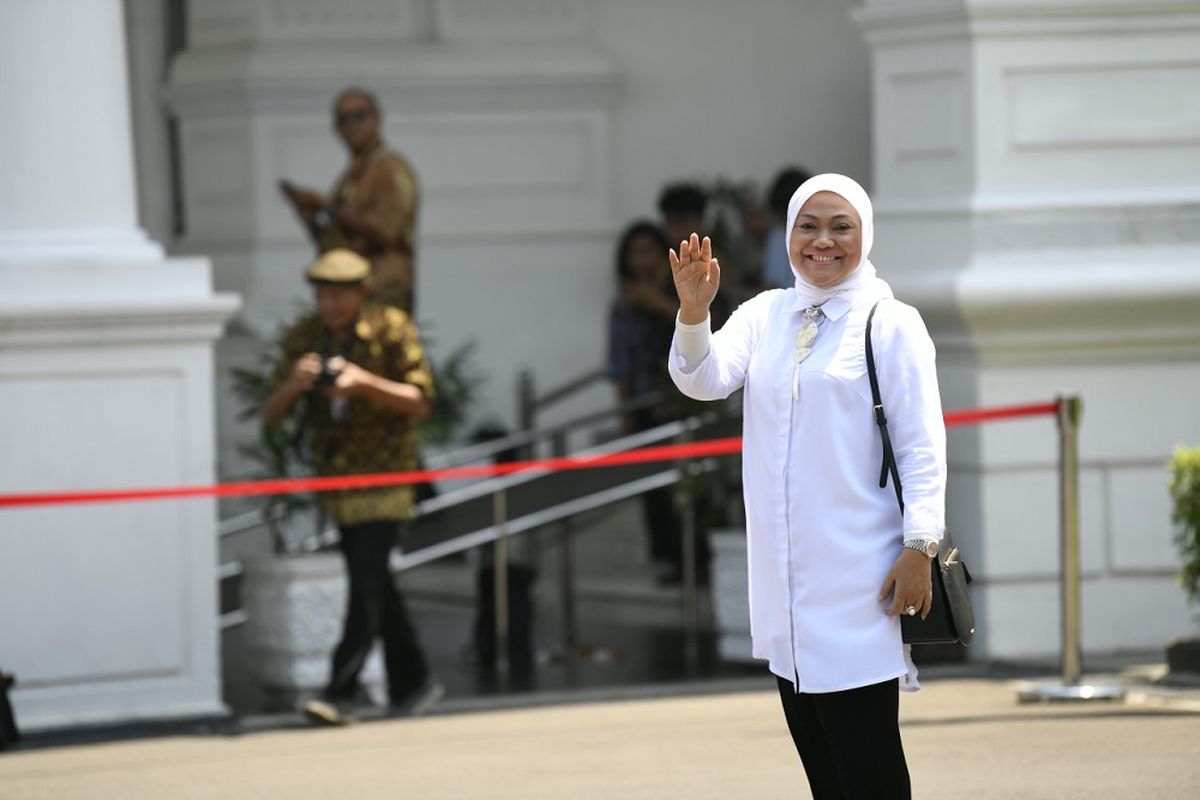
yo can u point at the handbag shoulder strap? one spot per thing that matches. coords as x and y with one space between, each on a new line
889 455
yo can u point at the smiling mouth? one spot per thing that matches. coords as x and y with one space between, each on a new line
823 259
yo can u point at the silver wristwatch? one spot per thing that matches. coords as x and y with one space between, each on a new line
922 546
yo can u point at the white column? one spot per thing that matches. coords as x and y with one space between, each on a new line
1037 186
146 25
66 139
108 612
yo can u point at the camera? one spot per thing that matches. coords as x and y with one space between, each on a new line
330 369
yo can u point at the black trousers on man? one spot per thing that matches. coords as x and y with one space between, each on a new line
375 607
849 741
663 523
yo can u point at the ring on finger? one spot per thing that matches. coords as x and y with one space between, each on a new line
910 610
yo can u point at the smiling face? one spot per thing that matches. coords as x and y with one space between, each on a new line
826 242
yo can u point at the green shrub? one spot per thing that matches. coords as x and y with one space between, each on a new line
1185 513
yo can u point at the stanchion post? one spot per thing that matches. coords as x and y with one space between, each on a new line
500 578
1069 410
526 400
1070 688
687 511
566 566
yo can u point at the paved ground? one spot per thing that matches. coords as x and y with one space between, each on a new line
966 738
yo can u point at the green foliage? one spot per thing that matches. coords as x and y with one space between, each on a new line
1185 513
281 451
457 382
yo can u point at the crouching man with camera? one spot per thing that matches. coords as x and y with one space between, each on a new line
364 383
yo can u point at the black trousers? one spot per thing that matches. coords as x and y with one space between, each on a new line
849 741
663 523
374 608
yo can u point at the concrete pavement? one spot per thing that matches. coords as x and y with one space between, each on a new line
965 738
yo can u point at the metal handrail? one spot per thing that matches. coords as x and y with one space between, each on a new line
503 528
489 485
568 388
520 439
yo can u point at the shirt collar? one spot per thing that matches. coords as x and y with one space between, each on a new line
834 307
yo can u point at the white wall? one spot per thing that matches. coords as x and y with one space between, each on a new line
734 89
1037 185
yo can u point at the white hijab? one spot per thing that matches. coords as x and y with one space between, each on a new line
863 279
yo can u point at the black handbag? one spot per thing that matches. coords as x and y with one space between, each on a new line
950 620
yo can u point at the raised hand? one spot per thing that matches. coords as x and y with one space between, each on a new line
697 277
305 202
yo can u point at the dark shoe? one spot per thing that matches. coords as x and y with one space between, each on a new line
324 712
419 700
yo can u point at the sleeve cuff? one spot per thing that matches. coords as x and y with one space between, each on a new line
691 343
924 536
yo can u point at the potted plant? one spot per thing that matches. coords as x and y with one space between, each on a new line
1183 655
295 597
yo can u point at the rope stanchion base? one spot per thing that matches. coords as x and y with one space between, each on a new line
1059 692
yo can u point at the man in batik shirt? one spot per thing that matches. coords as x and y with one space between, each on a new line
372 209
364 384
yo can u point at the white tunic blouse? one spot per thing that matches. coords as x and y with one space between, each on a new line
821 534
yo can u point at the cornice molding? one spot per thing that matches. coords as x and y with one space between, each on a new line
295 79
1113 306
908 21
79 325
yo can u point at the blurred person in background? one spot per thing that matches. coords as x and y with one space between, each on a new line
362 376
776 271
641 322
682 206
832 559
372 209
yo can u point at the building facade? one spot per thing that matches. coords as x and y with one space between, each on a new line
1035 168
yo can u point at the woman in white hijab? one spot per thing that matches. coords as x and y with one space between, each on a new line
833 561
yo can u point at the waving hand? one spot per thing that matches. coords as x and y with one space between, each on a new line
697 277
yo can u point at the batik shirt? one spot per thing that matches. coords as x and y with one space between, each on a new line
361 437
381 186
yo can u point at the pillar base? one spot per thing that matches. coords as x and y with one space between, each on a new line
109 611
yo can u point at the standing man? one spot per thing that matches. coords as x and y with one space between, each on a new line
373 207
682 206
365 383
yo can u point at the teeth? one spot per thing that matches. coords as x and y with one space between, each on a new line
823 259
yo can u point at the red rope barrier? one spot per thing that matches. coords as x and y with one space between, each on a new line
710 447
974 416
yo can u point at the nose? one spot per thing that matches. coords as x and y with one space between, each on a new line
823 239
